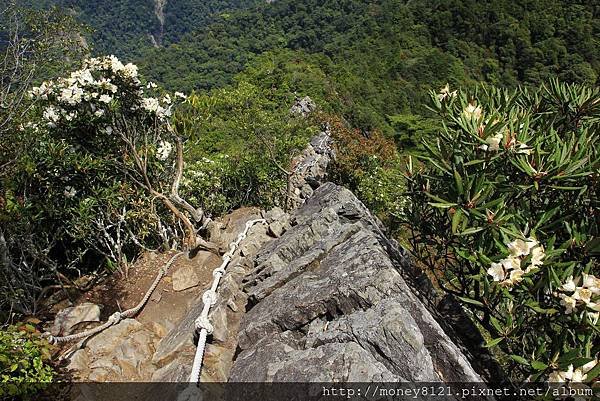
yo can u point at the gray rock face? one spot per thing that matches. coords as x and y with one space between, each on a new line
310 167
328 301
303 107
119 353
68 318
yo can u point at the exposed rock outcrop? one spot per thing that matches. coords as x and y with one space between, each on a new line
310 168
303 107
328 302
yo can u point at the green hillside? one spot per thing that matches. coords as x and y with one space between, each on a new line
380 57
127 27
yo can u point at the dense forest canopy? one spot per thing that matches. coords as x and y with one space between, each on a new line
125 28
382 56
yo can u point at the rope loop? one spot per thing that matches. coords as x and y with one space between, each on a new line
202 322
209 297
220 270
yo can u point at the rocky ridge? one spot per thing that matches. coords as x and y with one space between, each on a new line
319 294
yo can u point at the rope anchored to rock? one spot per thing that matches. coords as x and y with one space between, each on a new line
117 316
209 298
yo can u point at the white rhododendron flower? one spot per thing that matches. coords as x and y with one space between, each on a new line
569 285
537 257
71 95
69 192
164 150
497 272
40 92
151 104
586 294
493 143
115 64
583 295
445 93
130 71
568 302
591 282
150 85
180 95
516 276
51 114
521 247
573 375
82 77
473 112
105 99
508 271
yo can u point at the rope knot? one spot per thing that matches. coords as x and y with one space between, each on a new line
209 297
220 270
202 322
49 337
115 318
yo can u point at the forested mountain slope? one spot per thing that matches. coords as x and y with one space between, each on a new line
381 56
125 27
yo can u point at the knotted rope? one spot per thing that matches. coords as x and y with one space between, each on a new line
209 298
117 316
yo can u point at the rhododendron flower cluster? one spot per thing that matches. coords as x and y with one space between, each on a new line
164 150
573 375
508 271
586 295
91 91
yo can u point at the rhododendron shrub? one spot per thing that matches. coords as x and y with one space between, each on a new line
99 183
504 213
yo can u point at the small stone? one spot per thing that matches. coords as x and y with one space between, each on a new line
79 362
274 214
232 305
276 229
156 297
185 277
218 319
67 318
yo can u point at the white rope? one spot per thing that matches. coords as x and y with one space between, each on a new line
116 317
209 298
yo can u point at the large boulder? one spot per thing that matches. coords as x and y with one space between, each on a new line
329 301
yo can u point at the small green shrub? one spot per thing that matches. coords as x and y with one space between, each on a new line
369 165
504 211
24 357
241 138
